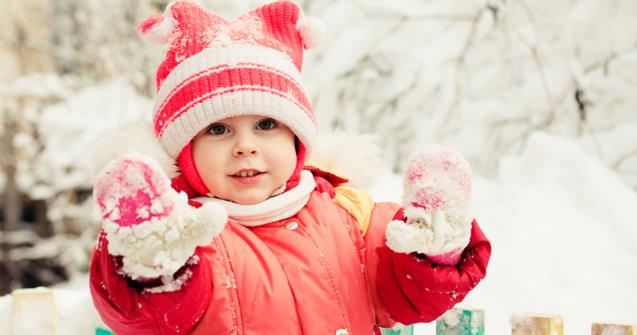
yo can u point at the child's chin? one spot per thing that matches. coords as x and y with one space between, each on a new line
250 199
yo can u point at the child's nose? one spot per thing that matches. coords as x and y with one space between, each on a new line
245 150
245 147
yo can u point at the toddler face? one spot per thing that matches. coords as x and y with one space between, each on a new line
245 159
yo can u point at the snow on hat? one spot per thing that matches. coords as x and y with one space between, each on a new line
215 68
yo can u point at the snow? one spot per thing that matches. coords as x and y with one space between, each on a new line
36 85
72 132
431 233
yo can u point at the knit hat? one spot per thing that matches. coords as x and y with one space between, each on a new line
215 68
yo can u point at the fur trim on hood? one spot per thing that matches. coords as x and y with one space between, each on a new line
136 137
356 157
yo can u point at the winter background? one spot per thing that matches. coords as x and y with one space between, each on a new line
539 95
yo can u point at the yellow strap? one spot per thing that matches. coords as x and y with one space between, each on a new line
325 168
357 203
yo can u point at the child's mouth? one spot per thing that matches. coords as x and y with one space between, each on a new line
247 176
246 173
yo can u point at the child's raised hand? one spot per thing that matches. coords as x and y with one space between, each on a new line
147 222
437 206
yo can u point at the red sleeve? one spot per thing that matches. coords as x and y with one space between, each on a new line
125 309
413 289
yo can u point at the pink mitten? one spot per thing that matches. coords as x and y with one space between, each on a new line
437 206
147 222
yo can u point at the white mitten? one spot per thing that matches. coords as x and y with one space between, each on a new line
437 206
147 222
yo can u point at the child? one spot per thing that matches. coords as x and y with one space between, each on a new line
247 239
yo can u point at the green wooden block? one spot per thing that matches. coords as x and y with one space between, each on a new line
461 322
102 331
398 329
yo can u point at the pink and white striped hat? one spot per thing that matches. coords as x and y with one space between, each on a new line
215 68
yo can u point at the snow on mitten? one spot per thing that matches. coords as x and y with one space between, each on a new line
437 206
147 222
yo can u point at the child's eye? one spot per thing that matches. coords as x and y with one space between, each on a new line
266 124
217 129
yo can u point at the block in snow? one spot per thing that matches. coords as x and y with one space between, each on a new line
613 329
103 331
537 325
32 311
461 322
398 329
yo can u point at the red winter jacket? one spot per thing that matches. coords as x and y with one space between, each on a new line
313 273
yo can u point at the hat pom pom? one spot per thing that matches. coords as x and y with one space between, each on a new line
312 31
156 29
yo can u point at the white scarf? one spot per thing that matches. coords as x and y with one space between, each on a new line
276 208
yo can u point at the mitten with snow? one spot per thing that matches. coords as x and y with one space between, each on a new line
149 224
436 217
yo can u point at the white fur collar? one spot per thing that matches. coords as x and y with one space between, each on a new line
277 208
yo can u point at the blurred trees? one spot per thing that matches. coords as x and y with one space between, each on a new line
49 50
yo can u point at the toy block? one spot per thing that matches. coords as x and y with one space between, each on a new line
613 329
461 322
398 329
33 311
537 325
103 331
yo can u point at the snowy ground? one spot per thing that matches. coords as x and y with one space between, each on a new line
563 232
563 229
